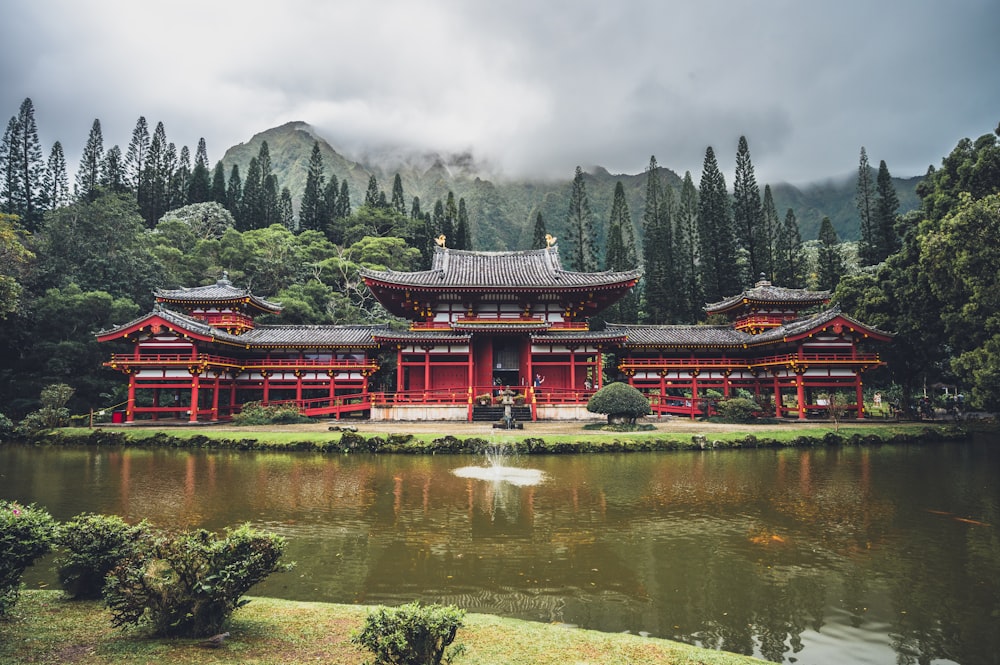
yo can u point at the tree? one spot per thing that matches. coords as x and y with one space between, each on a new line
688 244
23 168
14 262
218 191
333 226
886 206
88 176
372 193
719 277
200 185
748 216
463 235
769 233
56 185
398 202
312 208
179 179
286 211
621 255
829 262
789 259
153 195
135 157
234 196
251 213
869 246
113 176
622 403
580 228
538 235
659 296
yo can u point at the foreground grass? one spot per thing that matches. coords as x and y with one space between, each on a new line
48 629
273 437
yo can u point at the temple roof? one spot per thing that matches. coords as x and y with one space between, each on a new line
765 293
293 336
535 268
728 337
222 291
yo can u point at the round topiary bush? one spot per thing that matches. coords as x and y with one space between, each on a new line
621 402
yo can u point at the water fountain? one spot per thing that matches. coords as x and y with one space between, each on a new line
497 457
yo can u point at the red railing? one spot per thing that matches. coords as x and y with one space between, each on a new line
216 361
749 363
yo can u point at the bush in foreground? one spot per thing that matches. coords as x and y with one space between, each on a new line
26 533
621 402
188 585
255 413
411 634
91 546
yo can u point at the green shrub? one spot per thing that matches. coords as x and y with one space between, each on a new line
738 410
411 634
620 401
26 533
53 412
188 585
255 413
6 427
91 546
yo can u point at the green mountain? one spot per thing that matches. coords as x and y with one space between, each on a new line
502 210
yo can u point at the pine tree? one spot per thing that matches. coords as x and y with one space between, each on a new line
770 230
463 235
621 255
234 197
88 176
56 190
398 202
748 216
870 243
333 226
200 184
268 204
658 250
113 177
157 169
251 202
9 159
286 211
312 210
371 194
437 226
829 261
344 201
789 258
23 168
450 219
538 236
135 158
180 177
718 268
885 213
218 190
688 247
580 228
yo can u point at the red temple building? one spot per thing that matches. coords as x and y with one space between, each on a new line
480 323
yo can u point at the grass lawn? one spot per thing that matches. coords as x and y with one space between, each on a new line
46 628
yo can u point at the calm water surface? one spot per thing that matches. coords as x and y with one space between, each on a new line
864 555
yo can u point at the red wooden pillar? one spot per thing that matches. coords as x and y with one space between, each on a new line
130 405
860 395
298 387
663 392
800 392
694 391
215 398
195 384
427 370
400 372
777 397
471 380
267 386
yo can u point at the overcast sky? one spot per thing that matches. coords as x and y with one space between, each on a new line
535 87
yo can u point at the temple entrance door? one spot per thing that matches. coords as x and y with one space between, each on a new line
507 361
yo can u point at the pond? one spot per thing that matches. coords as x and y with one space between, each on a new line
886 554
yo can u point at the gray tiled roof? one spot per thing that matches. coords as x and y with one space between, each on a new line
407 336
765 292
675 335
588 336
325 336
538 268
222 291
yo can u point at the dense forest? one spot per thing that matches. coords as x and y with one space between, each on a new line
75 260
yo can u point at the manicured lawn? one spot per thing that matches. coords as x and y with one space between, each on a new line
48 629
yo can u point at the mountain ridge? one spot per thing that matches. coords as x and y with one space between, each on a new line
502 209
